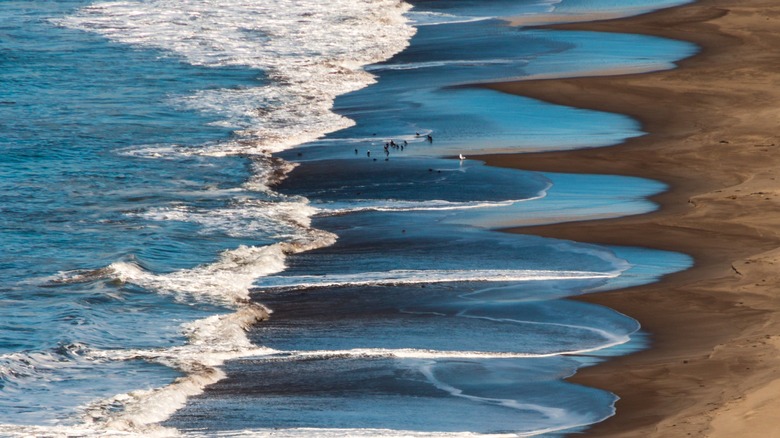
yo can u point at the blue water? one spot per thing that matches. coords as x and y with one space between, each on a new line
142 220
417 90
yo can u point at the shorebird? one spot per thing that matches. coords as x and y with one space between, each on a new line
461 157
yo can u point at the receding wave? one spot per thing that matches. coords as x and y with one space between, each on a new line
431 18
394 277
432 64
398 205
413 353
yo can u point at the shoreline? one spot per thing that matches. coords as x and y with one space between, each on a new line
713 367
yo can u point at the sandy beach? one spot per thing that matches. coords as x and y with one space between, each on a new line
713 136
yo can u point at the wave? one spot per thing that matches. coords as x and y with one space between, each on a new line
559 418
210 341
611 339
549 412
396 277
414 353
472 13
433 64
431 18
619 265
244 218
15 368
336 208
310 53
226 281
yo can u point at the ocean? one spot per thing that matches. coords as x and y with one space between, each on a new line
257 217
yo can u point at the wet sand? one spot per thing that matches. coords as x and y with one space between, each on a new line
714 136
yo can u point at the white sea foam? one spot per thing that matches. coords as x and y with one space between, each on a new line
244 218
359 205
268 171
211 341
449 63
309 51
425 276
393 205
431 18
612 339
162 151
18 367
416 353
558 419
434 18
619 265
555 414
227 281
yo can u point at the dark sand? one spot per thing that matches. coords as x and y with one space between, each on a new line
714 136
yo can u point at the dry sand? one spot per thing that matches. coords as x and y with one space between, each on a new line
714 136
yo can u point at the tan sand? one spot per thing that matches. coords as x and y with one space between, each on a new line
714 136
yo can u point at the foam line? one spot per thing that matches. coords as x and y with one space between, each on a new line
425 276
416 353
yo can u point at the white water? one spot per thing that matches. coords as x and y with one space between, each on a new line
425 276
307 53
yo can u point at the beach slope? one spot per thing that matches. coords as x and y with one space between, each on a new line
713 129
